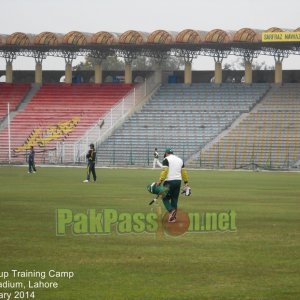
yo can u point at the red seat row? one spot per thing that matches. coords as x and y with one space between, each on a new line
12 93
55 103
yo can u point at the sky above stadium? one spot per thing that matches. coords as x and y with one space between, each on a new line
62 16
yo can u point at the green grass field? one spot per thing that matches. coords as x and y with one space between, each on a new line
258 261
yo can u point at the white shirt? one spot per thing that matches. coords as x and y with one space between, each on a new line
175 165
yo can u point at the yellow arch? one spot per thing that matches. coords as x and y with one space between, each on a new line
160 37
75 38
217 36
132 37
104 38
247 35
274 29
18 39
189 36
47 38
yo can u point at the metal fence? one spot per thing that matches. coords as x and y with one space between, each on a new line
75 152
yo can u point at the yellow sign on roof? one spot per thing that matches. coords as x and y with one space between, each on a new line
283 36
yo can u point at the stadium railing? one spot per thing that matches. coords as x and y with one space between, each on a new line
116 116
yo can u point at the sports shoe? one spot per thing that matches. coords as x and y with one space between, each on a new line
172 216
85 181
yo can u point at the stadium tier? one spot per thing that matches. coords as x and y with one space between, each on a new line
184 117
268 137
230 125
12 93
58 112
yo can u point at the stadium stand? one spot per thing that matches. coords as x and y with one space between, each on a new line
268 137
59 112
184 117
12 93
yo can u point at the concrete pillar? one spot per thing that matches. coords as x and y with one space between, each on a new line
68 73
218 73
9 72
98 73
158 73
188 73
38 73
128 73
248 72
278 72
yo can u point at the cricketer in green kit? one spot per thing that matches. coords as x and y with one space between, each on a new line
172 174
91 158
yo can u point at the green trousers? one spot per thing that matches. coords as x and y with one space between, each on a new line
171 199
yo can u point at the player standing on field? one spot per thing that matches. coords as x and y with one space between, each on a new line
155 159
172 174
91 158
31 164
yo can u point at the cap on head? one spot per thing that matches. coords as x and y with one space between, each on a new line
169 151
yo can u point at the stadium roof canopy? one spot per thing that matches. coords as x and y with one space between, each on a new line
178 43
